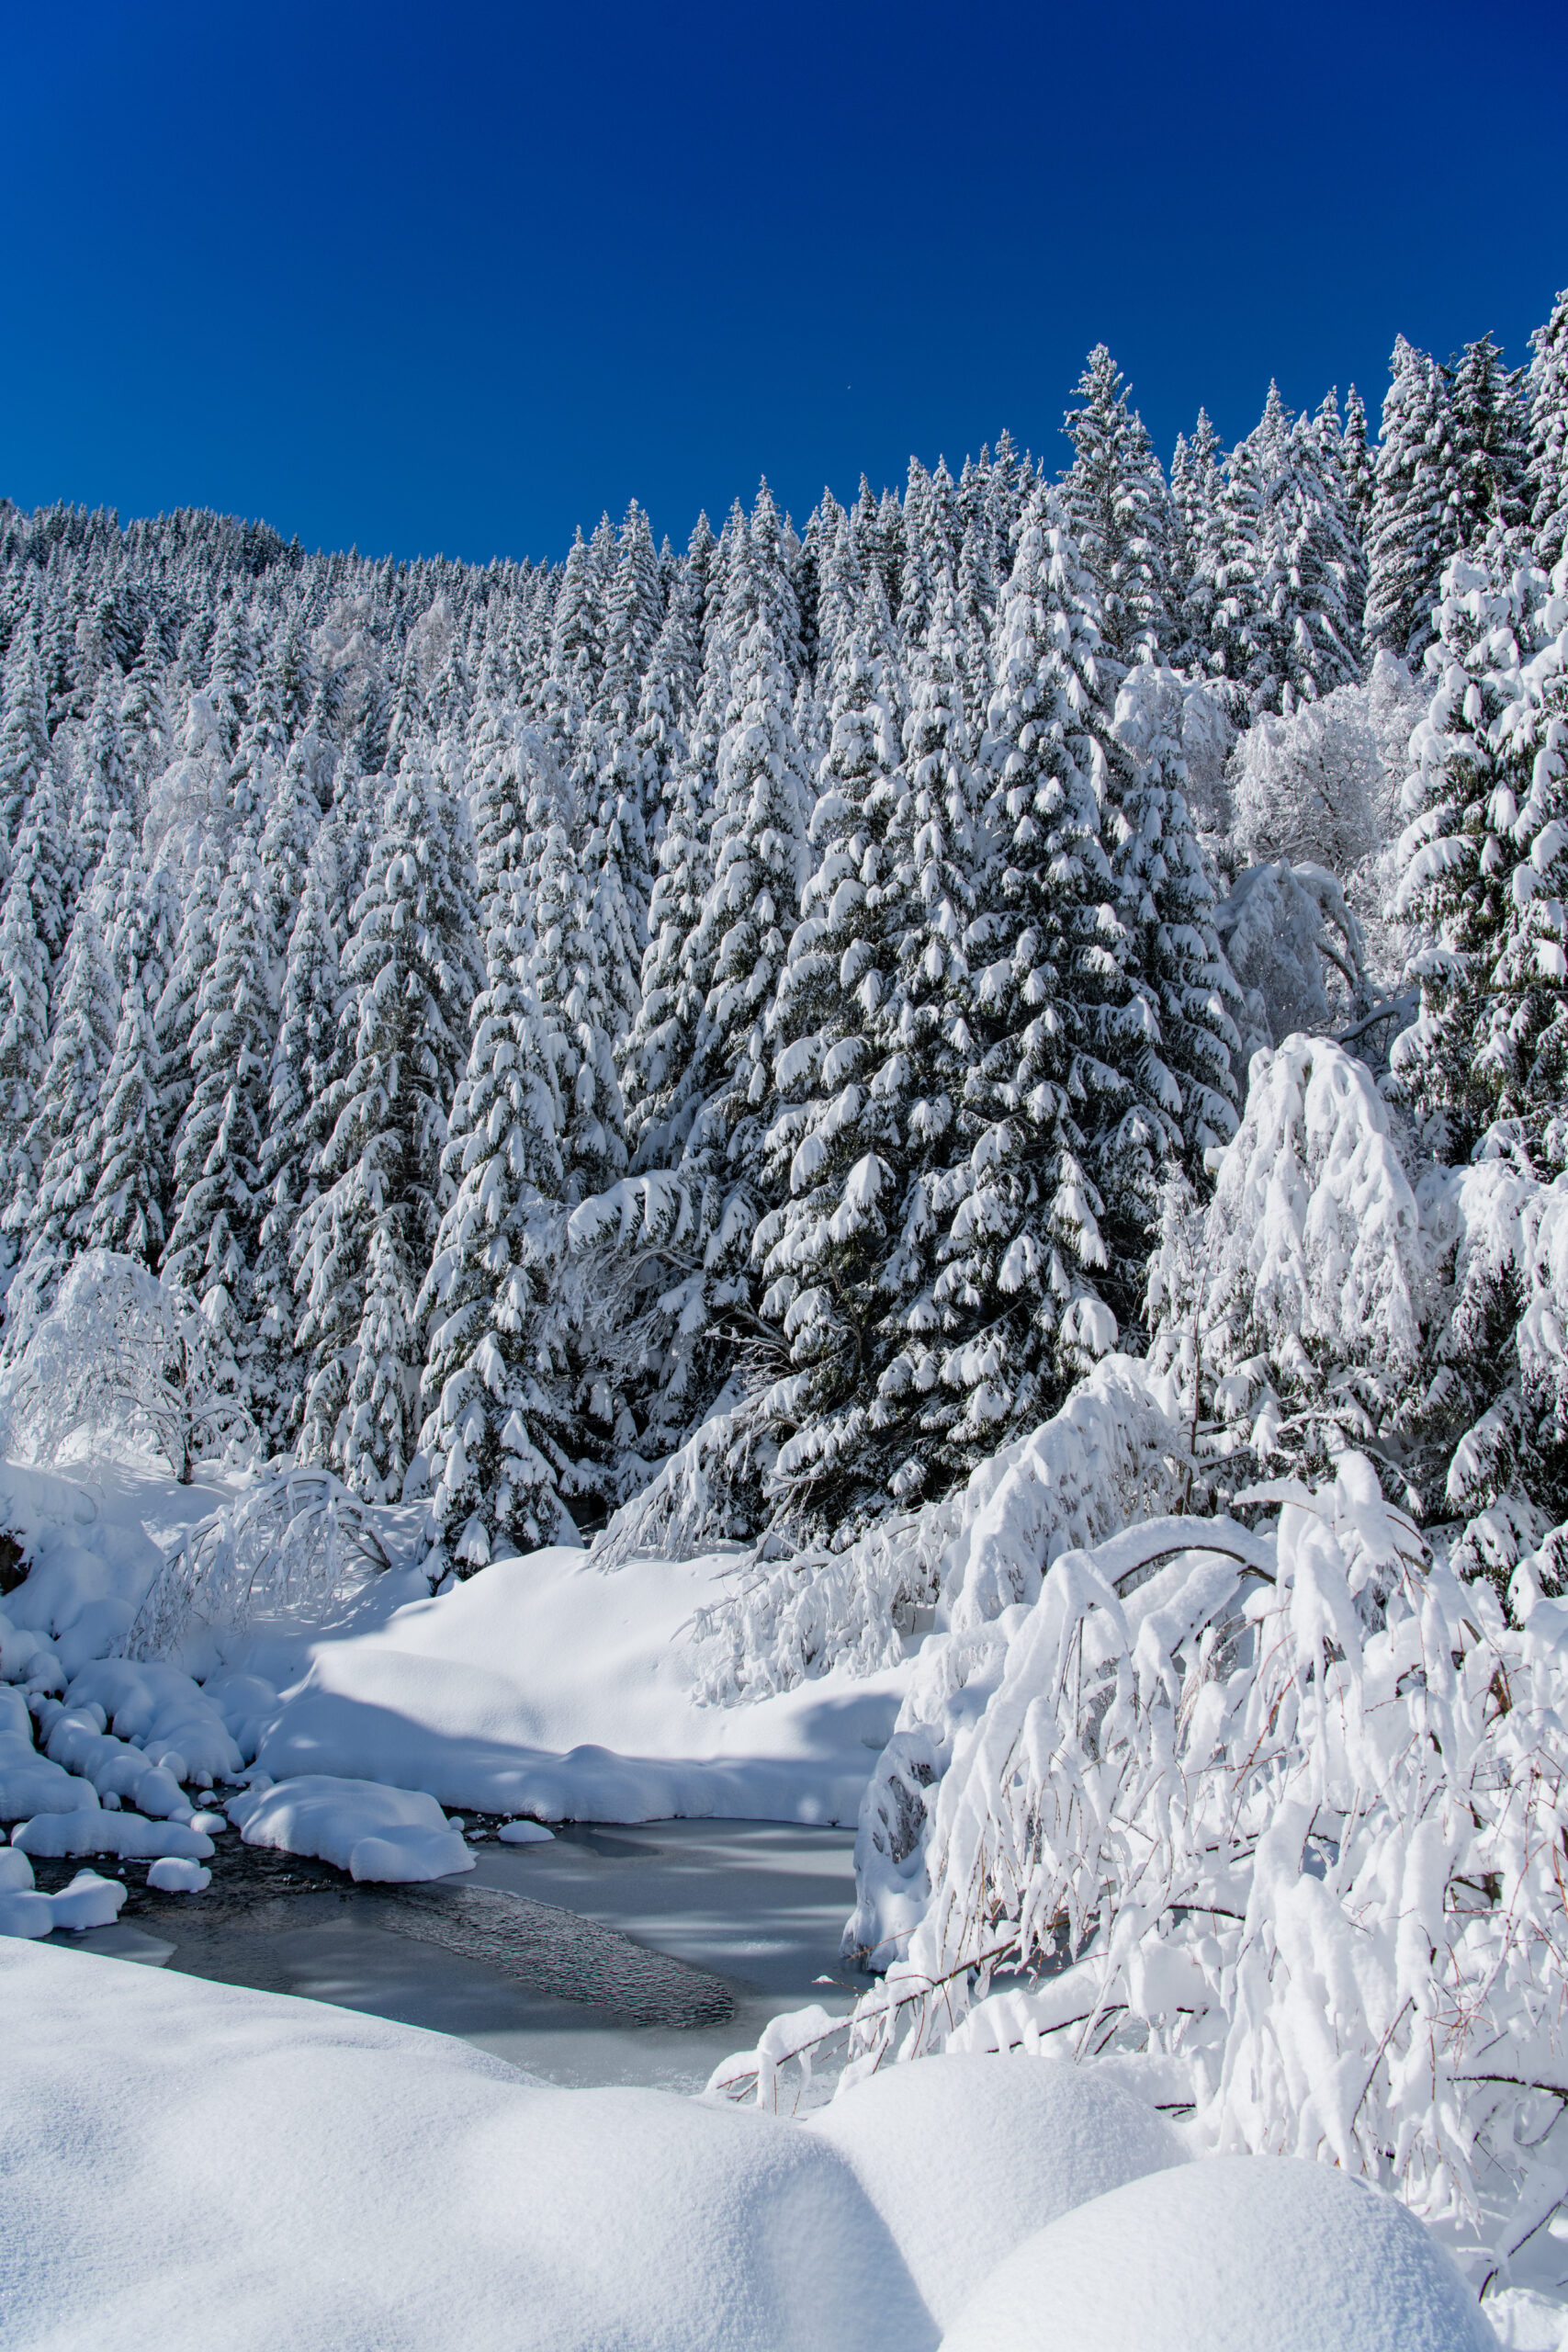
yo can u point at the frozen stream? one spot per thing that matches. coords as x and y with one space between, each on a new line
748 1913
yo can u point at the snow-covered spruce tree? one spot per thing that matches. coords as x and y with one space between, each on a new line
1167 906
1197 495
409 982
126 1212
495 1375
142 715
59 1139
760 858
1355 457
30 940
577 1003
1489 426
1546 478
1412 499
196 890
307 1059
1118 510
211 1251
1482 882
23 733
833 1144
1021 1290
857 1452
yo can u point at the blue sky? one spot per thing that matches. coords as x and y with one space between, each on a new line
462 275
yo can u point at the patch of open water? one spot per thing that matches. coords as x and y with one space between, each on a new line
609 1955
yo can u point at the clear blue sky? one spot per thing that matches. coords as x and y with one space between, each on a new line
459 276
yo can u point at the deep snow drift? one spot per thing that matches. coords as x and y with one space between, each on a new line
177 2150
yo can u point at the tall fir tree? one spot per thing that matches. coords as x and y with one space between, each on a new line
1547 470
1118 509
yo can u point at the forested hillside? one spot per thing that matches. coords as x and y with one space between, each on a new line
784 999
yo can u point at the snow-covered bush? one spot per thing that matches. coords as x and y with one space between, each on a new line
1273 1819
296 1544
123 1359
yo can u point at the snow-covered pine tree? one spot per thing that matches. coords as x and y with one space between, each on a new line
143 716
1490 423
832 1146
217 1189
1412 498
130 1176
32 922
1547 474
308 1058
573 982
59 1139
409 982
1355 457
1021 1291
1489 824
1167 906
1118 510
23 733
497 1430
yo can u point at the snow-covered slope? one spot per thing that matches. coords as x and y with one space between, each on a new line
545 1685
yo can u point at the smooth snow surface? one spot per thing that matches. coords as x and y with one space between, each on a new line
1237 2253
368 1830
548 1686
228 2167
1023 2140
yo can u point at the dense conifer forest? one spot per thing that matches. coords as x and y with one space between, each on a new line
774 1004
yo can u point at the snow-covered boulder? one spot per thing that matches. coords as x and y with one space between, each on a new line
1235 2255
369 1830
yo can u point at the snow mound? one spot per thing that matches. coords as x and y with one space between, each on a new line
369 1830
1235 2255
172 1876
89 1902
94 1831
335 2184
1023 2140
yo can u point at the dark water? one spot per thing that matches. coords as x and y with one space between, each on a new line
641 1954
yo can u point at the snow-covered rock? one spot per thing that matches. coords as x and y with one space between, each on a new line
365 1828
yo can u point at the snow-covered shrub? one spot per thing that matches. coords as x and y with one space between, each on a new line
121 1358
1273 1819
1303 788
296 1545
1111 1456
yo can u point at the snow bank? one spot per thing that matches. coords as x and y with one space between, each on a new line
1021 2139
546 1686
370 1830
174 1876
1228 2257
189 2161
